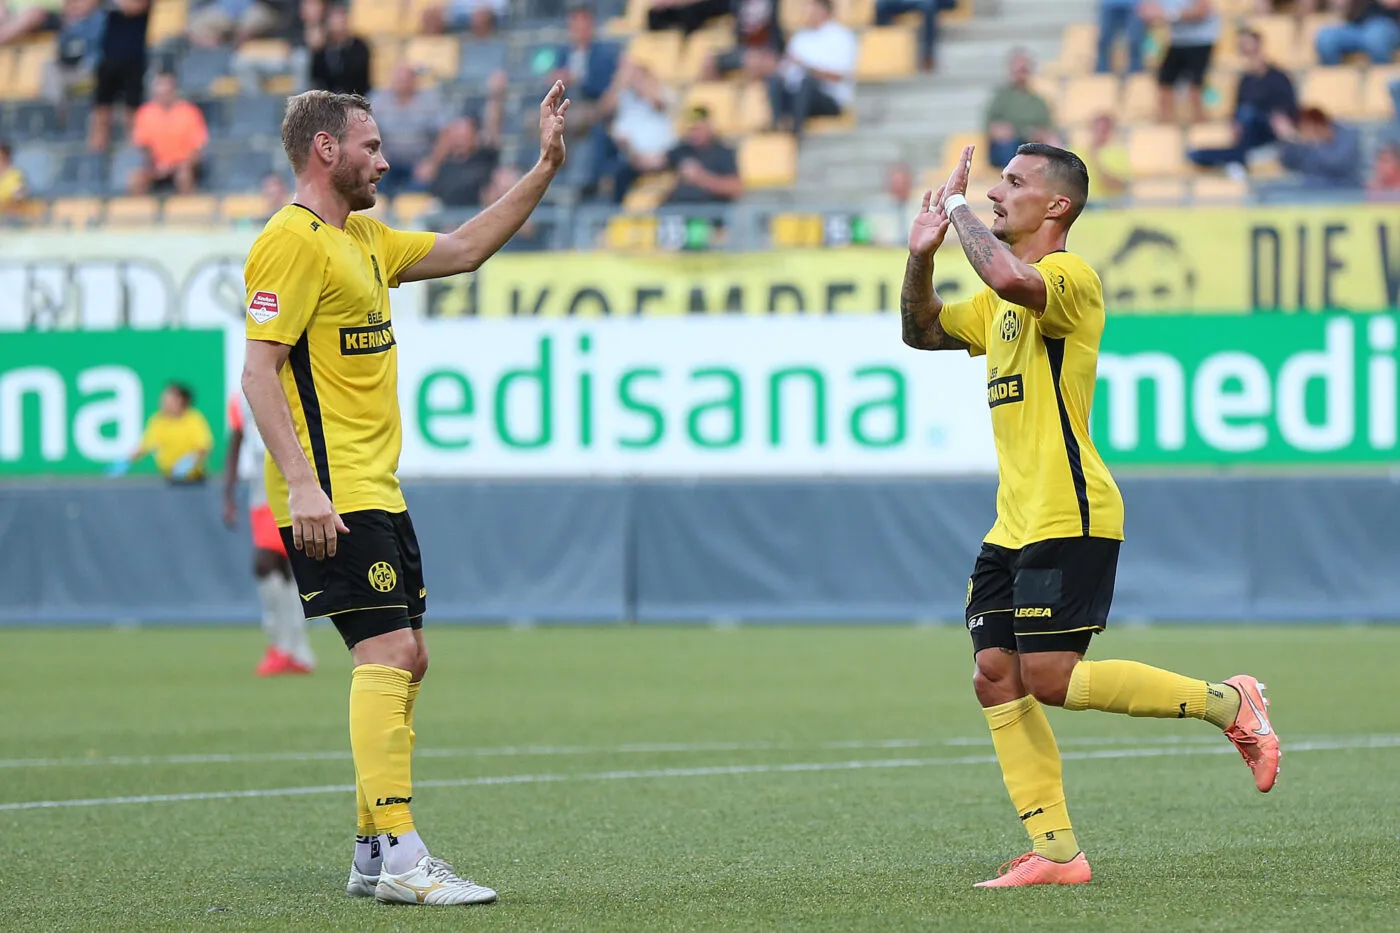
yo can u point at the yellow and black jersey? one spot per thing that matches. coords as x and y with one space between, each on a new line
1041 370
324 292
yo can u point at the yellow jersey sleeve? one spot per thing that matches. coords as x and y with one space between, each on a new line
284 276
1071 289
967 320
401 249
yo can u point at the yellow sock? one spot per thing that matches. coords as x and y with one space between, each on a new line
413 689
1135 689
1030 766
380 744
364 820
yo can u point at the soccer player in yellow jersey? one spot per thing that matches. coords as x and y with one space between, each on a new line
321 379
1042 585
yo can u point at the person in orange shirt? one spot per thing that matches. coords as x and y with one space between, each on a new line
174 134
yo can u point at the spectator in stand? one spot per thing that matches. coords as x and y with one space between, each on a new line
292 17
585 65
13 190
815 76
410 118
1264 90
641 131
79 46
1384 184
707 170
339 60
465 157
1195 27
758 43
480 17
224 22
121 69
1107 158
20 18
1323 153
886 11
173 134
1120 18
685 15
893 209
1016 114
1371 26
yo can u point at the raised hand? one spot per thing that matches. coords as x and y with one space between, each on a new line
552 110
957 182
930 225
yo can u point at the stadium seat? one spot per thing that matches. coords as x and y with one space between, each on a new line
439 56
27 79
253 116
648 192
887 52
698 50
1210 136
8 91
190 210
1159 190
820 126
168 20
384 54
982 170
755 113
125 161
1219 189
660 52
628 233
244 207
132 212
1338 90
1086 97
768 160
721 99
1376 103
795 231
200 67
1078 49
413 206
1280 36
1156 152
1307 35
265 50
33 119
1139 99
381 18
78 213
81 173
480 59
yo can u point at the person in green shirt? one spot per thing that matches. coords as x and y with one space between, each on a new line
1016 113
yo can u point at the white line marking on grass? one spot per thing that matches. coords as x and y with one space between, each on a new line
1355 742
514 751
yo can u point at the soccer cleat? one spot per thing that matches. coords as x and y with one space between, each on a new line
1032 869
1253 734
274 662
360 885
431 881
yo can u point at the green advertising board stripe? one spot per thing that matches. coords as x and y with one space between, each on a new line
71 402
1262 390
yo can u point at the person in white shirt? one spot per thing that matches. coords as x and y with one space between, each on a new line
815 76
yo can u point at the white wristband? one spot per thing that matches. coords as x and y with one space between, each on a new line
952 202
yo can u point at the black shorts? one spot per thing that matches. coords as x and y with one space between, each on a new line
1052 595
120 81
1187 63
373 584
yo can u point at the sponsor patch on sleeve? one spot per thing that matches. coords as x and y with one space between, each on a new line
263 307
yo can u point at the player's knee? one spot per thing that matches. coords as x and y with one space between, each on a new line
1047 683
397 649
996 679
420 663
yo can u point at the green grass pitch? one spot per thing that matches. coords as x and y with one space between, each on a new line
688 779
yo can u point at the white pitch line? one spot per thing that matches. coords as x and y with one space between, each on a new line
1357 742
512 751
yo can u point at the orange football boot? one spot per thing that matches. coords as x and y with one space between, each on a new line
1032 869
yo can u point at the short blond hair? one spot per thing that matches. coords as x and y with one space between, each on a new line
313 112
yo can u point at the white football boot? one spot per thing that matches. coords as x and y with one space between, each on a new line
431 881
360 885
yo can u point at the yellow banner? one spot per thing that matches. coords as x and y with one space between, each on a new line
1202 260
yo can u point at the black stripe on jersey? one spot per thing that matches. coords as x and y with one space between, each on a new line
300 360
1055 351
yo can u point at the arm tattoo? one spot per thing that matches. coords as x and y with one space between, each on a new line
920 307
982 248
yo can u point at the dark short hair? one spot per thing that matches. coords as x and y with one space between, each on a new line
1066 170
182 390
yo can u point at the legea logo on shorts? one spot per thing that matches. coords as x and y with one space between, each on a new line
382 577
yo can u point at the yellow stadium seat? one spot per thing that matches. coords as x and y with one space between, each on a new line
1156 152
7 72
1280 36
169 19
755 113
768 160
1377 103
30 61
857 13
1086 97
225 86
982 170
1159 190
887 52
75 212
721 99
1210 136
1079 47
1338 90
191 210
795 231
440 56
958 14
648 192
792 14
821 126
412 206
625 232
1139 99
1307 35
281 85
699 49
383 59
381 18
659 51
265 50
132 212
243 207
1220 189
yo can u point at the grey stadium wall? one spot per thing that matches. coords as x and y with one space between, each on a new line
1198 549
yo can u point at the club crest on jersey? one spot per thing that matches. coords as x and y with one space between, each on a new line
263 307
1010 326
